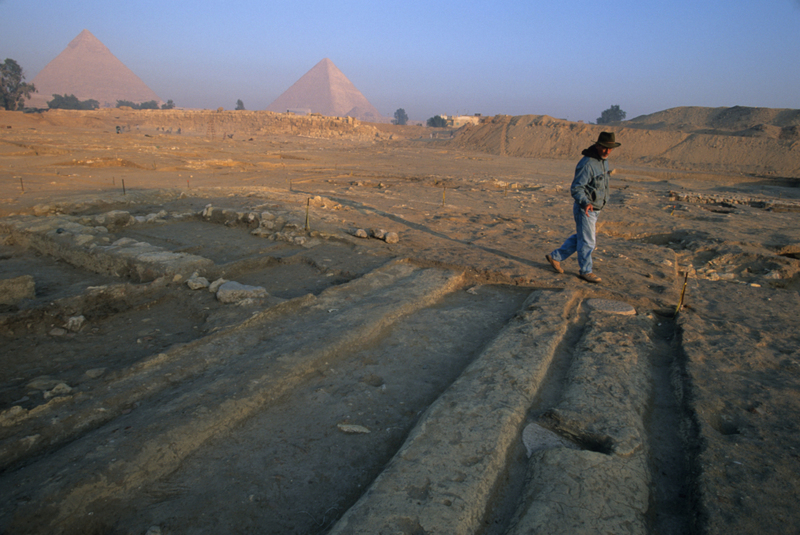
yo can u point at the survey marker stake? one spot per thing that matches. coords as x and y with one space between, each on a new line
683 293
123 186
444 190
308 203
21 185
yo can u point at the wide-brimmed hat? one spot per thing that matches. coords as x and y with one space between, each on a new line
607 140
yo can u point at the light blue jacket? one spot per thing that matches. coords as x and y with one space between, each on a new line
590 185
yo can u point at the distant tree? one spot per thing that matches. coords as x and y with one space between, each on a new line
612 115
437 122
400 117
149 105
71 102
239 105
13 89
168 106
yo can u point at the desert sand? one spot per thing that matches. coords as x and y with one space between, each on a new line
195 338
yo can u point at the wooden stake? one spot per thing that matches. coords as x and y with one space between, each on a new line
308 204
444 190
123 186
683 292
21 185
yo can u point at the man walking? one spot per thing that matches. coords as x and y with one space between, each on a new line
590 191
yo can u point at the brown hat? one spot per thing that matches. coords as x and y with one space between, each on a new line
607 140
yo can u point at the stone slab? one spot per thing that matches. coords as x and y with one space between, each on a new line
443 478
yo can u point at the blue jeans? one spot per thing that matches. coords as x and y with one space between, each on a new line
582 242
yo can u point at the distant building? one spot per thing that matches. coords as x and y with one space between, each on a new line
457 121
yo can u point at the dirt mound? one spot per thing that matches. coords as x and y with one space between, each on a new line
761 152
228 124
738 120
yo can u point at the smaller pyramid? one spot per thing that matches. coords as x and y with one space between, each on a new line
88 70
326 90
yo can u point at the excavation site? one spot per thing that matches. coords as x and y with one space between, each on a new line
250 322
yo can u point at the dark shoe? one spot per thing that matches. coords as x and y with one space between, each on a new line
555 263
590 277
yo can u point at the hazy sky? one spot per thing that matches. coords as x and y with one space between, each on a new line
567 59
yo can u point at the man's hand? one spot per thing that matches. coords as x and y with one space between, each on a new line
589 208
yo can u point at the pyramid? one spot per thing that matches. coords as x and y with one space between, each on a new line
326 90
87 69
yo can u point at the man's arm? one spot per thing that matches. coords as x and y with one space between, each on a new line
578 190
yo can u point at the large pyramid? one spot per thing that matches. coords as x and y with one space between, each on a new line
87 69
324 89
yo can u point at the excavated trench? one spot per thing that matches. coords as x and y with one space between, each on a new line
359 393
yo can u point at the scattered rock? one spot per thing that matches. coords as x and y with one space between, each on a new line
197 283
57 331
378 233
44 382
233 292
115 218
10 416
391 237
360 233
61 389
214 286
94 373
250 218
42 209
352 429
262 232
75 323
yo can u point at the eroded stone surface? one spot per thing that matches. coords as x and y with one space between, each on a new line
12 291
611 306
233 292
537 438
572 491
443 475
